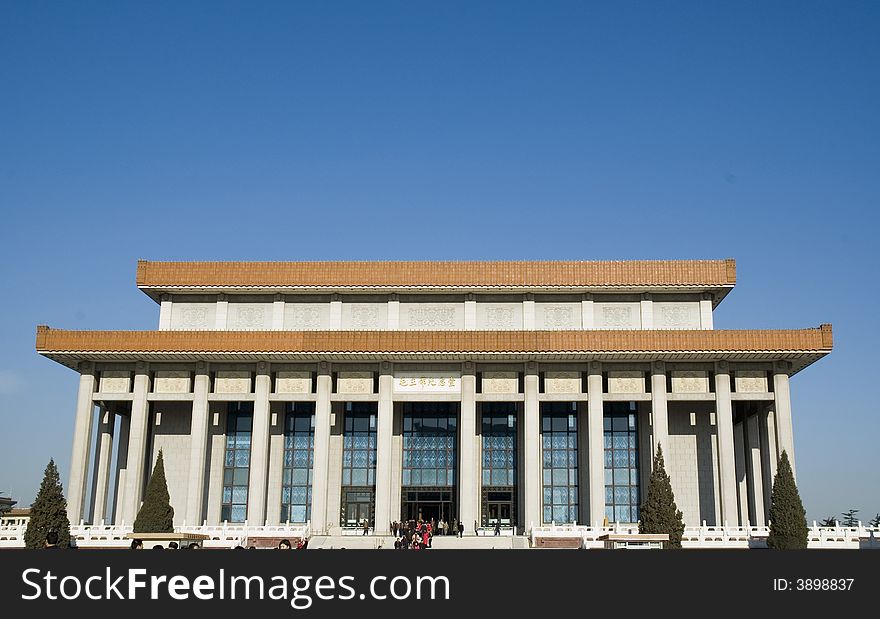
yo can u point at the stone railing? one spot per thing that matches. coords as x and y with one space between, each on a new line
858 537
226 535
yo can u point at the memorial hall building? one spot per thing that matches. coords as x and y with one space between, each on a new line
523 393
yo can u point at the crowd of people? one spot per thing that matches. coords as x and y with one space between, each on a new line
418 534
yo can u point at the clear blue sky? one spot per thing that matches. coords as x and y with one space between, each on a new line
459 130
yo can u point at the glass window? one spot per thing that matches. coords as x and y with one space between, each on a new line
430 430
559 441
299 446
239 420
621 463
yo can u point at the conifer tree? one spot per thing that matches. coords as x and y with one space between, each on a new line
788 519
48 512
659 514
156 514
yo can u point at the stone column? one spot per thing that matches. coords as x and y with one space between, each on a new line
726 457
532 443
706 311
277 412
384 453
393 312
82 439
278 313
647 311
259 466
222 312
138 441
470 314
165 312
588 319
742 483
659 411
596 437
335 315
769 452
320 469
121 464
199 436
468 483
584 464
782 397
103 455
529 312
753 470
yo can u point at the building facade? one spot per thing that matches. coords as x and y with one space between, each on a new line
526 393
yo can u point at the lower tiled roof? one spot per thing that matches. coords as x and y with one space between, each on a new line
799 340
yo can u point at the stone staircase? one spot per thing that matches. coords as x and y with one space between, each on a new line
351 542
484 542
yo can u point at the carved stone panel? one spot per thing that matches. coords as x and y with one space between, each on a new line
751 381
232 381
115 381
558 316
500 382
499 316
249 316
172 381
193 316
354 382
364 316
626 381
690 381
681 315
293 382
431 316
617 315
306 316
562 382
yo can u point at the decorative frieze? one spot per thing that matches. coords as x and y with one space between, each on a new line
751 381
249 316
364 316
626 381
172 381
558 316
676 315
293 382
499 316
306 316
617 315
433 316
232 381
193 316
427 382
354 382
500 382
115 381
690 381
562 382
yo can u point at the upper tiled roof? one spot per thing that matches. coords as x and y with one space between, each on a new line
516 274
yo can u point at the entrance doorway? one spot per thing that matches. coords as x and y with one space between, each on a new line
357 506
427 504
500 507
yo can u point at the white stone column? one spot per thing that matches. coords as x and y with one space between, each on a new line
468 483
277 411
121 464
529 313
588 320
278 313
596 438
198 452
659 412
138 441
742 483
584 463
103 456
782 397
706 311
320 468
753 470
222 312
470 317
335 314
532 443
393 312
647 311
769 452
82 439
259 465
165 312
384 452
726 457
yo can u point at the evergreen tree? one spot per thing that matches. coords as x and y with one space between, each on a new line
48 512
875 522
788 520
850 518
156 514
830 521
659 513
